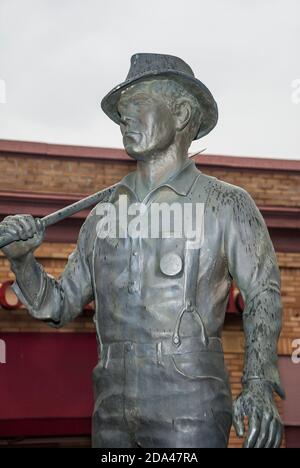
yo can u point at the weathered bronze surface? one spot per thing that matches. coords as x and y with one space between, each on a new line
160 304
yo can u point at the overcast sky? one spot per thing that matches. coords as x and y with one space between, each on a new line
58 58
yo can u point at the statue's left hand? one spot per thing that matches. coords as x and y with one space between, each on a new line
256 402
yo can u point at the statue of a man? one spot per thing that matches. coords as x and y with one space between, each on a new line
160 302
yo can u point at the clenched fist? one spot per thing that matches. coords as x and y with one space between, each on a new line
29 232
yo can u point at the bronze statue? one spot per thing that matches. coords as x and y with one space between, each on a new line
160 303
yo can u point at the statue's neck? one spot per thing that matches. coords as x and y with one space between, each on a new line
157 170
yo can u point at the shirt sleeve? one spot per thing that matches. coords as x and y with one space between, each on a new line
253 265
60 301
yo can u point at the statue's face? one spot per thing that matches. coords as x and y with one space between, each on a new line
147 124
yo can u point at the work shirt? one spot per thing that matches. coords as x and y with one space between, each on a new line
163 291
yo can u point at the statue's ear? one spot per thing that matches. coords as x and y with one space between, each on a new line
183 113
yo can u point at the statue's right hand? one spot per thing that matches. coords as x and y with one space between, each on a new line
29 232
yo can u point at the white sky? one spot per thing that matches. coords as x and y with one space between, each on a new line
58 58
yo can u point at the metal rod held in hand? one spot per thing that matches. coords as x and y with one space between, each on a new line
53 218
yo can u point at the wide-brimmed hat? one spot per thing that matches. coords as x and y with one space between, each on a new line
150 66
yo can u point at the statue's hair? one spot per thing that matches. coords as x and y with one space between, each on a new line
171 91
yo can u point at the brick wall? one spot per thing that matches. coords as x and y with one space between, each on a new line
85 177
266 188
60 175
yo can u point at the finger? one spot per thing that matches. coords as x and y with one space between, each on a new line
264 431
238 418
279 435
5 224
253 431
238 423
30 223
25 229
9 218
11 230
15 224
272 434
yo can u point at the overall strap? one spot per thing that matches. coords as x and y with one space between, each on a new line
199 194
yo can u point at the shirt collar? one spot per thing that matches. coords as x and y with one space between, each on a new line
181 182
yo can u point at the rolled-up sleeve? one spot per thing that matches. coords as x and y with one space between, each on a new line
253 265
59 301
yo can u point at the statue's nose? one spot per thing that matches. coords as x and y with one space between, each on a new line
124 120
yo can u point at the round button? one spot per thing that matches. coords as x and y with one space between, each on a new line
171 264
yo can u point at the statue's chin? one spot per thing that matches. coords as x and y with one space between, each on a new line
136 153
